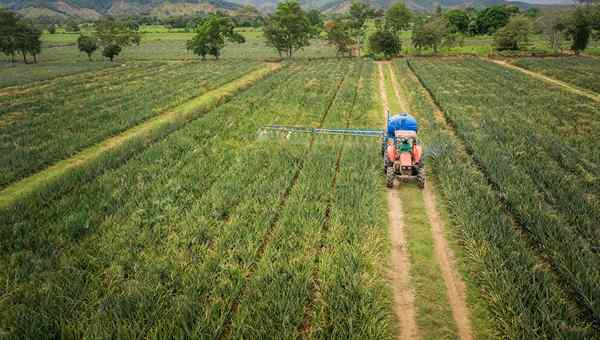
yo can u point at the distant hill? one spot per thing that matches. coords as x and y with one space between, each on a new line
92 9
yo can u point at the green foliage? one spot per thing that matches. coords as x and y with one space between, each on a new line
430 34
288 29
113 35
18 35
493 18
358 14
339 34
72 26
87 44
579 29
458 21
515 35
553 25
385 42
398 18
211 35
52 28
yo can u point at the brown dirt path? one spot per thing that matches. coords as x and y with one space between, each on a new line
547 79
404 296
455 287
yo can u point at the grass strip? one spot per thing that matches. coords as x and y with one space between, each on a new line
60 176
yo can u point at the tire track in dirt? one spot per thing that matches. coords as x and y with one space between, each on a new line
547 79
404 296
455 287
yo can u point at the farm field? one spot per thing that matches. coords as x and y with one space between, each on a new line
175 242
71 113
211 229
581 71
521 145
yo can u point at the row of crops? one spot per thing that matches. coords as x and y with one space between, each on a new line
581 71
43 123
522 192
212 232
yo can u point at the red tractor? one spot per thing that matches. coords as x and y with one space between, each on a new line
403 158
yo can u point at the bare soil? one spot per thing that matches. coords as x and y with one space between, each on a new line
404 296
455 287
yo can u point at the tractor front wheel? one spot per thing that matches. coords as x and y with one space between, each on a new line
389 176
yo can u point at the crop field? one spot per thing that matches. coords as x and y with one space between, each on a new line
542 166
188 236
178 218
581 71
70 113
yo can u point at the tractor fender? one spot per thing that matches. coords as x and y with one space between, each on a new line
417 153
391 152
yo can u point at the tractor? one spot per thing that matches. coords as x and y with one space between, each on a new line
401 150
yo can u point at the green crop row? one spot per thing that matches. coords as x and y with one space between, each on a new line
498 124
41 125
178 241
581 71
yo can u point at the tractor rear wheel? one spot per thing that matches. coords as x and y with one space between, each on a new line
421 178
389 176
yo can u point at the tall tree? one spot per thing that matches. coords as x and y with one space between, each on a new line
212 34
385 42
430 34
113 35
359 13
515 35
579 29
87 44
553 25
8 30
288 29
458 21
339 34
397 18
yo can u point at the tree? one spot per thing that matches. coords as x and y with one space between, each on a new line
358 14
211 36
430 34
339 34
315 18
579 29
515 35
458 21
88 44
553 25
493 18
288 29
52 28
27 40
113 35
386 42
72 26
397 18
8 31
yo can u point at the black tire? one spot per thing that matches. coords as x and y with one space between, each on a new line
421 178
390 175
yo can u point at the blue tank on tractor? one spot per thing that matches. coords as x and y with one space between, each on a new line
402 121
